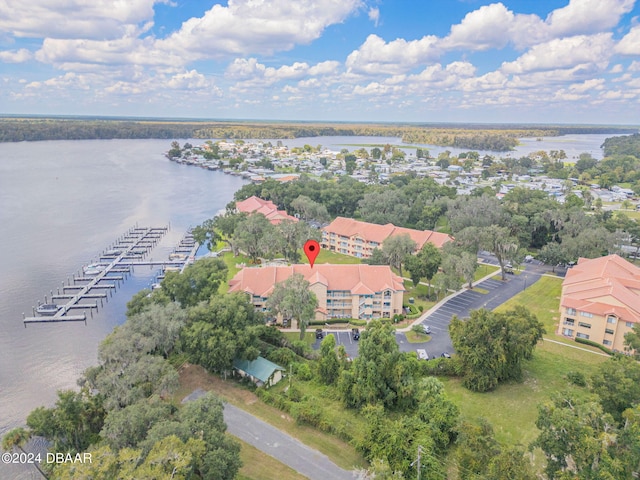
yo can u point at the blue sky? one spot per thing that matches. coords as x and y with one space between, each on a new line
547 61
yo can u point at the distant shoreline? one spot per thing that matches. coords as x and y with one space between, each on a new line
471 136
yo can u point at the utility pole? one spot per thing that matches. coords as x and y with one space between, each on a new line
417 461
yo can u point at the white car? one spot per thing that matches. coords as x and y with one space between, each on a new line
422 354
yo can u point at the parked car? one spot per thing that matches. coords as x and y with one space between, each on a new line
508 268
445 355
422 354
427 329
319 333
355 332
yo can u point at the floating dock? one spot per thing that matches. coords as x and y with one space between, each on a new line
120 258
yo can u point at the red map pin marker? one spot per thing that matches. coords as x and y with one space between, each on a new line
311 250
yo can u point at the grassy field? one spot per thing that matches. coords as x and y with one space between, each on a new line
543 299
512 408
257 465
193 377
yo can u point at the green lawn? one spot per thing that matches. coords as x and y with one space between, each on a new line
309 336
419 295
233 266
483 270
543 299
257 465
326 256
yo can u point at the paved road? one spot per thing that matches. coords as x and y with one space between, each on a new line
283 447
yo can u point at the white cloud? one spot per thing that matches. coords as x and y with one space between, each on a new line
67 53
256 26
495 26
582 16
564 53
191 80
375 56
617 68
587 85
374 15
15 56
635 66
96 19
249 72
491 26
630 43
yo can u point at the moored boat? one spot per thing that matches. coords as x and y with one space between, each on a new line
93 269
47 309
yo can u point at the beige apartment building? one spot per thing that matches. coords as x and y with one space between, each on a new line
359 239
600 300
343 291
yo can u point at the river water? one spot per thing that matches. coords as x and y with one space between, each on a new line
63 202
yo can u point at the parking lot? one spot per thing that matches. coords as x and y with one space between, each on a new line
498 292
343 337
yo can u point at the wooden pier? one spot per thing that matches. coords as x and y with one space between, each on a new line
121 258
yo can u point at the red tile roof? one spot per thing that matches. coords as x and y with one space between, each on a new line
379 233
358 279
266 208
604 286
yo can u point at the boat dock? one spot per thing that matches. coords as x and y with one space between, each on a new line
126 253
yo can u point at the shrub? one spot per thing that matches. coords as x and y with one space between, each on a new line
418 329
281 356
577 378
308 412
330 321
442 367
421 308
300 347
302 371
584 341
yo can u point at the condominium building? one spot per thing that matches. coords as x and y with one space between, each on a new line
343 291
359 239
600 300
265 207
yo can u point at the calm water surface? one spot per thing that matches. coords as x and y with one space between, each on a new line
61 204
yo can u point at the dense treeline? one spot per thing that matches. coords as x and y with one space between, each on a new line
625 145
478 137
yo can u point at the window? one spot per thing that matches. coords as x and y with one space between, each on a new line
606 342
628 324
584 325
571 311
611 319
608 331
586 314
568 332
582 335
569 321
